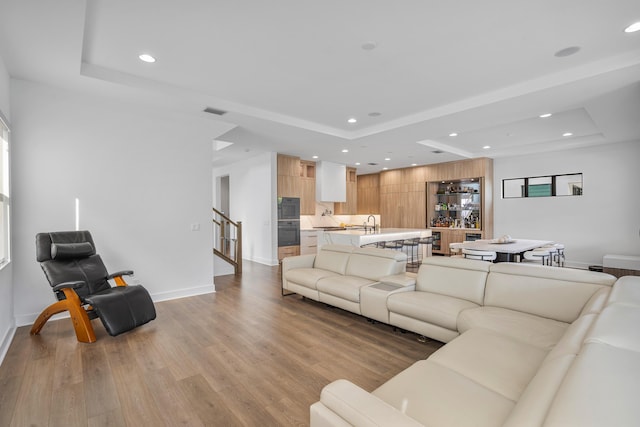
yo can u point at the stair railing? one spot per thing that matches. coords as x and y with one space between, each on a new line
227 242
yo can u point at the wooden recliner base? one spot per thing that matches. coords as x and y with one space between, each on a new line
81 322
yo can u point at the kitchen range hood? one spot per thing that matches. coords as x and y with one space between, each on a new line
331 182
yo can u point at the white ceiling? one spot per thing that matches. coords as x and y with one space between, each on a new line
291 72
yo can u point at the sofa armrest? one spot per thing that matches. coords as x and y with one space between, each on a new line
298 261
402 279
359 408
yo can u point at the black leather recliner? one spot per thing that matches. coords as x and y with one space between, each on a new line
81 284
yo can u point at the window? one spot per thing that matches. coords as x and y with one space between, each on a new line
539 187
543 186
5 201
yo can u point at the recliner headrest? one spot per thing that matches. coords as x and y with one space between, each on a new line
71 250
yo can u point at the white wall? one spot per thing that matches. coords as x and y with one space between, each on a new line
6 283
142 177
252 200
4 90
604 220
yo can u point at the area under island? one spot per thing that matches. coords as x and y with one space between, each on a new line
361 237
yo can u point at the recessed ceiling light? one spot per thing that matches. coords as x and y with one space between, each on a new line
453 134
147 58
545 115
486 147
357 163
414 164
567 134
314 157
352 120
345 150
369 46
374 114
387 158
384 169
567 51
633 28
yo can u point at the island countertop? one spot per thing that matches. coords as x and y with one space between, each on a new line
360 237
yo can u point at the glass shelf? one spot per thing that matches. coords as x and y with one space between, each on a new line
458 204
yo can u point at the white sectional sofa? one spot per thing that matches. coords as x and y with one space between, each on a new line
337 273
527 345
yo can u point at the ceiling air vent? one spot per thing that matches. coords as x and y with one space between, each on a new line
437 151
372 164
215 111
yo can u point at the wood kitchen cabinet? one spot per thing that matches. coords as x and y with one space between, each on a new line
403 193
289 183
308 187
443 236
368 197
351 205
287 251
402 199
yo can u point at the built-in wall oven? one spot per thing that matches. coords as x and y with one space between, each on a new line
288 221
288 233
288 208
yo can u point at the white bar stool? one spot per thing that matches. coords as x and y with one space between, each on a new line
479 255
541 255
455 249
558 255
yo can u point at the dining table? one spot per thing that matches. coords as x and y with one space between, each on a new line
506 249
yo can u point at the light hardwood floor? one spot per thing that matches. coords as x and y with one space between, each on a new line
244 355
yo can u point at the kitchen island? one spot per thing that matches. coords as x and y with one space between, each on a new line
361 237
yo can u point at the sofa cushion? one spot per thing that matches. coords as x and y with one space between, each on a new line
308 277
356 407
617 326
533 405
437 396
554 293
429 307
497 362
573 339
333 258
373 263
625 291
535 330
601 388
345 287
535 401
597 302
455 277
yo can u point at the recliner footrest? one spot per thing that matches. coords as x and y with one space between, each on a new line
123 308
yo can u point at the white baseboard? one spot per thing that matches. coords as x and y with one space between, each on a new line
6 342
578 265
183 293
265 261
28 319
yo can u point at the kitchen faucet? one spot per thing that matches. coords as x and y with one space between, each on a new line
374 221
